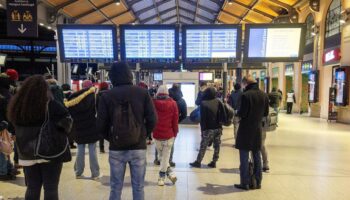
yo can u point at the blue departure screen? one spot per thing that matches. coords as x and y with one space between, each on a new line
202 44
149 44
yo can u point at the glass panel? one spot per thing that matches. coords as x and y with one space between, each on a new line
333 19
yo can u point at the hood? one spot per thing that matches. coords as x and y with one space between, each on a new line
77 97
120 74
54 87
252 86
176 94
209 94
162 103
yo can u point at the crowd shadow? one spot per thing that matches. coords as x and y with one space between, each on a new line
215 189
230 171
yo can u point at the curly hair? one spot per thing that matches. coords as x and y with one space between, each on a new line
28 106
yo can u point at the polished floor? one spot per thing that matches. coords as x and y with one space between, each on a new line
309 160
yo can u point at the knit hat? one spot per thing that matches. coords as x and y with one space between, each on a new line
120 74
87 84
163 89
13 74
104 86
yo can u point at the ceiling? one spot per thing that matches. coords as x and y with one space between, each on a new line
173 11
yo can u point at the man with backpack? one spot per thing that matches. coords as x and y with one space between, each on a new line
126 116
254 106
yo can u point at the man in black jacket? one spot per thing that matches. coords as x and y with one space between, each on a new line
144 116
210 126
254 106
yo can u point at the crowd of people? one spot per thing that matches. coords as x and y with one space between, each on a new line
46 120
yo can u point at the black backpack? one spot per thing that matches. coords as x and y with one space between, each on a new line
226 114
126 130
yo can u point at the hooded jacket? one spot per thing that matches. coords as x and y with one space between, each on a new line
210 110
254 106
181 104
81 106
167 114
141 103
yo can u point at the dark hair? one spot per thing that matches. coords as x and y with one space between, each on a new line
237 86
65 87
28 106
201 84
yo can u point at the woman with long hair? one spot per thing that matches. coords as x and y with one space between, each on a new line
28 110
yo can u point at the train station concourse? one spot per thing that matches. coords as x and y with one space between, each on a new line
174 99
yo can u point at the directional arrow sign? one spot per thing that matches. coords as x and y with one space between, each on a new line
22 18
22 29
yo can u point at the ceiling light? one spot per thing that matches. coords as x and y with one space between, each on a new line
229 2
117 2
342 21
49 27
41 24
1 5
313 33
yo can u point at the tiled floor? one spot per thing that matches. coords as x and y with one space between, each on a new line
310 160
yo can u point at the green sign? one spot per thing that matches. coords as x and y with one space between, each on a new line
306 67
254 75
262 75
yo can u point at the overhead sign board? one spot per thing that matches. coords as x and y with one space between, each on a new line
22 18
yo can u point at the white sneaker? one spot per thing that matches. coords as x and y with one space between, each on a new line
172 178
161 181
97 177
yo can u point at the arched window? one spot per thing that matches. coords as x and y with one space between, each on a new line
309 23
333 19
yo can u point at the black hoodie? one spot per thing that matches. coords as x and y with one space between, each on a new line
142 105
209 110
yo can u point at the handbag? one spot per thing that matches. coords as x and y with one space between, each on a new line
195 115
6 143
52 142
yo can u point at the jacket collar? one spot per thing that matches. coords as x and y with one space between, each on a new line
76 100
252 86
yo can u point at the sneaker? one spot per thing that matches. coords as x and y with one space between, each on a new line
212 164
156 162
196 164
266 169
7 177
161 181
172 178
79 176
172 164
97 177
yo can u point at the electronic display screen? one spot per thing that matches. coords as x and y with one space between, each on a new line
2 59
211 43
340 80
312 87
89 43
189 93
274 42
156 43
158 76
206 76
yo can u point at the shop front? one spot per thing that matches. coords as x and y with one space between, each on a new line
306 68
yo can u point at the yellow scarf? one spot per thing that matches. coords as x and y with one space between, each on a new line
79 98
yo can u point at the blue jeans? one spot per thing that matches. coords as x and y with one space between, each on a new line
4 164
137 163
80 162
244 167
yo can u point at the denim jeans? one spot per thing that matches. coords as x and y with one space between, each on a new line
5 166
45 175
80 161
264 153
244 167
164 149
137 163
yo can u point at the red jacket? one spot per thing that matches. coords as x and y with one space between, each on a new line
168 116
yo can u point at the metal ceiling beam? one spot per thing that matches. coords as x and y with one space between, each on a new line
209 10
65 4
154 16
114 16
250 8
128 6
93 10
168 18
155 4
133 2
187 18
254 10
102 13
218 2
221 6
236 16
177 11
199 16
195 12
281 4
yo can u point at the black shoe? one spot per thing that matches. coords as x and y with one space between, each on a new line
242 187
7 177
258 187
196 164
172 164
266 169
156 162
212 164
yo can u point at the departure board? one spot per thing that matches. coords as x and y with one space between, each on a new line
149 43
90 44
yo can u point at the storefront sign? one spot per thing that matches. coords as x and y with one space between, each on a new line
331 56
306 67
22 18
289 70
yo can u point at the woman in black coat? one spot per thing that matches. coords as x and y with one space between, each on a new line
27 112
82 107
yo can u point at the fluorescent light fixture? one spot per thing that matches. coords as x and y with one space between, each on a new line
342 21
117 2
49 27
229 2
41 24
313 33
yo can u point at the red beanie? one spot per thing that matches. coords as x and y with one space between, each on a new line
13 74
104 86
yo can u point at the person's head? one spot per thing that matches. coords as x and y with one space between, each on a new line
247 80
66 87
209 93
87 84
291 91
29 104
13 74
120 74
237 86
162 90
203 85
274 89
104 86
176 86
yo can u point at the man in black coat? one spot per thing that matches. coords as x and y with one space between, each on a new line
254 106
126 148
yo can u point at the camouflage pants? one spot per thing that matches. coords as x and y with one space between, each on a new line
208 136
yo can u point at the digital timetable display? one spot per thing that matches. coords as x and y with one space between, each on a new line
156 43
87 43
211 43
274 42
